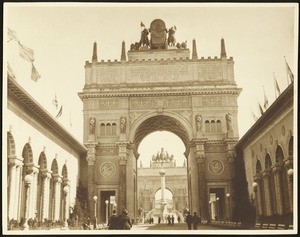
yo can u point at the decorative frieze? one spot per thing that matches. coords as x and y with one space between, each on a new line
109 104
151 102
210 101
105 151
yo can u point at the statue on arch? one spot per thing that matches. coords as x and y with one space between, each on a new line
144 36
171 36
123 124
198 119
228 121
92 125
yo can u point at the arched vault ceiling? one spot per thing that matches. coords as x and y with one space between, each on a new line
161 123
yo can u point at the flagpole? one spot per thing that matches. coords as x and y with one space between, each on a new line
287 75
274 85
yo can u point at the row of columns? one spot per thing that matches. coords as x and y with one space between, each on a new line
265 192
22 196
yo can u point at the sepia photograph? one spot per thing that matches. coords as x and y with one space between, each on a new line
150 118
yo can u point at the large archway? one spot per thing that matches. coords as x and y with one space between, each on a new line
159 90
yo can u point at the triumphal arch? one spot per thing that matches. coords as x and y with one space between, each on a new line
159 85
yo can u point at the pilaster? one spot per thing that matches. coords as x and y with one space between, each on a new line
259 194
91 159
57 202
122 175
33 192
45 193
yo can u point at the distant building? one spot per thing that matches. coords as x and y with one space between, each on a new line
149 186
266 154
43 161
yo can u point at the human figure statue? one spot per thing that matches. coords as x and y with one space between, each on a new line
196 221
92 125
171 36
229 121
144 36
189 220
198 119
123 124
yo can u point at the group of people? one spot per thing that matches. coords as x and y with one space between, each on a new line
194 220
121 222
170 220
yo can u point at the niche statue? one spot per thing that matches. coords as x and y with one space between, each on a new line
198 119
229 121
92 125
123 124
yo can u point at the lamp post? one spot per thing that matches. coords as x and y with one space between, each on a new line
66 191
229 209
28 180
218 214
106 215
95 200
290 173
209 213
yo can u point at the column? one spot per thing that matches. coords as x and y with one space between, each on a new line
12 169
33 192
266 180
45 194
276 169
288 163
57 202
259 202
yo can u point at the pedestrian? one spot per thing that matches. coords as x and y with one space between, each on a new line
188 220
196 221
113 222
159 220
125 222
172 220
169 220
95 220
178 219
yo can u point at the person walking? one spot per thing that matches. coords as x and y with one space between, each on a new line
95 220
125 222
169 220
189 220
113 221
196 221
172 220
178 219
159 220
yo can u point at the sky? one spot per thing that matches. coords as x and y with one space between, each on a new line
257 36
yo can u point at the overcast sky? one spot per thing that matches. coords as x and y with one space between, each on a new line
256 36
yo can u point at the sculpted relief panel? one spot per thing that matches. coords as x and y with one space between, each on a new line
151 103
157 73
210 72
109 75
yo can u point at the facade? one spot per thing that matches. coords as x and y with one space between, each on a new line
159 87
43 161
149 187
266 151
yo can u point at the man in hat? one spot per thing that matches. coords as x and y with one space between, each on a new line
113 221
125 222
196 221
189 220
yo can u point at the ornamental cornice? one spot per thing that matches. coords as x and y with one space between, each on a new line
101 94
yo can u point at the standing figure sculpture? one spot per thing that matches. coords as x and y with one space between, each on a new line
198 119
92 125
123 124
171 36
228 121
144 36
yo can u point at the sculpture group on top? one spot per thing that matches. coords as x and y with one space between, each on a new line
158 37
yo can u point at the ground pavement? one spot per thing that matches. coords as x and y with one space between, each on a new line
176 226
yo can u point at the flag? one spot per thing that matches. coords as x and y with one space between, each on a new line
289 72
10 71
255 118
266 101
260 109
34 73
59 112
70 120
55 102
11 35
26 53
277 89
142 24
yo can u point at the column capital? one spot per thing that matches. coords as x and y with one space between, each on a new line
276 168
257 178
201 159
14 160
288 162
265 173
122 160
231 156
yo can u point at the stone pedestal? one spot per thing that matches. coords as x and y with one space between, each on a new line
229 134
